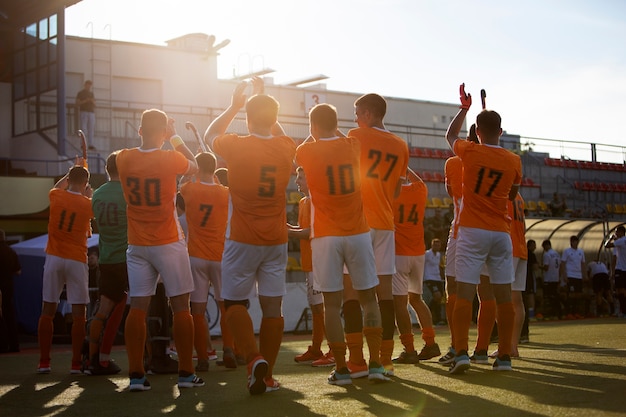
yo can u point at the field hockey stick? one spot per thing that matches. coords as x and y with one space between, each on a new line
191 127
83 146
483 96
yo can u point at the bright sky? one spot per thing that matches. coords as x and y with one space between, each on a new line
553 69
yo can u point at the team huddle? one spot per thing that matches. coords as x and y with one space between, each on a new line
362 243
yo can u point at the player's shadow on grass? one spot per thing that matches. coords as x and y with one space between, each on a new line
417 396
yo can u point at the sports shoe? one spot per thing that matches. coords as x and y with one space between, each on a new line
377 373
358 371
340 377
429 352
271 384
480 357
202 365
212 355
502 363
524 339
406 357
326 360
448 358
138 383
44 368
94 367
309 356
389 370
257 369
190 381
460 364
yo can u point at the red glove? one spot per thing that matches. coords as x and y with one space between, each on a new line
466 99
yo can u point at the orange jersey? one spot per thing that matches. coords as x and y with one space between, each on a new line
68 225
409 209
384 160
149 183
206 207
259 170
453 172
332 172
489 172
304 221
518 227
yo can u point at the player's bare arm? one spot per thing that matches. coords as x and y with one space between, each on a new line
457 123
179 146
220 124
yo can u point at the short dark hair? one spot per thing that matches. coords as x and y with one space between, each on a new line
472 137
375 103
262 110
222 175
78 174
621 229
111 164
489 122
573 237
546 242
206 162
324 116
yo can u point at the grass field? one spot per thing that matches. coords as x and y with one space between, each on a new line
570 368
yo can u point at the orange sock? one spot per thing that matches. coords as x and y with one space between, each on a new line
462 320
486 320
270 338
450 315
374 337
200 336
339 352
240 324
319 331
354 342
506 317
386 351
78 338
408 341
95 329
110 329
183 331
428 336
227 335
45 329
135 336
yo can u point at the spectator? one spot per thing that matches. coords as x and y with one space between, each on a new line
557 205
551 265
599 274
573 270
86 103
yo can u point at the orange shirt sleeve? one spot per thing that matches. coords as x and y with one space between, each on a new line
518 227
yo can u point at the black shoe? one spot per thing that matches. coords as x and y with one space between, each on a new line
96 368
429 352
407 357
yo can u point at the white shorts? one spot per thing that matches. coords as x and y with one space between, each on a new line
245 265
475 247
170 262
331 253
313 296
205 274
409 276
451 256
384 244
59 271
519 268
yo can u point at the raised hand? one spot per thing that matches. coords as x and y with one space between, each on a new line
466 99
238 99
170 130
258 85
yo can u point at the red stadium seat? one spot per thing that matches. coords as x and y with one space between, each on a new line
427 176
438 177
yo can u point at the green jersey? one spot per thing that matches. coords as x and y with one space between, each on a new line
109 207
